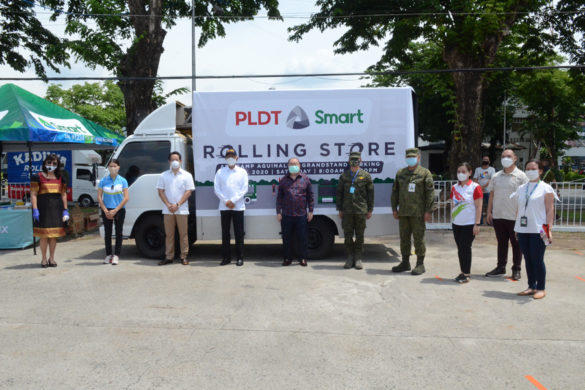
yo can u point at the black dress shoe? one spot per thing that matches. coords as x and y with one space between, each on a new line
240 262
286 263
165 262
516 275
225 262
496 271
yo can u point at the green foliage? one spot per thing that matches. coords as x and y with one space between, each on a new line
101 103
435 92
106 41
553 101
25 43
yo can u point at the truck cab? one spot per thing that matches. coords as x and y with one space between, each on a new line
143 157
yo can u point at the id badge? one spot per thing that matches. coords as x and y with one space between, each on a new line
411 187
351 189
523 221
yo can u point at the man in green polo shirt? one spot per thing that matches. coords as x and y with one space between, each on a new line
412 204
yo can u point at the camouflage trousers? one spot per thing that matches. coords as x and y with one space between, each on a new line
354 223
412 227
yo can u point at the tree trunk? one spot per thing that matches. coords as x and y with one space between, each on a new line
467 134
142 60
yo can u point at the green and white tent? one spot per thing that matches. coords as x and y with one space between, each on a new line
28 122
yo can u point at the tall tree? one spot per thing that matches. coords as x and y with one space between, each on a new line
127 36
555 106
101 103
468 33
25 43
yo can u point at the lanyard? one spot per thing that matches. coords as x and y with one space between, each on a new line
529 195
354 176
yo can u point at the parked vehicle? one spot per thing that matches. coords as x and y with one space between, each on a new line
266 128
81 167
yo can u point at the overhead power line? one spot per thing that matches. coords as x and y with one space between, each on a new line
258 76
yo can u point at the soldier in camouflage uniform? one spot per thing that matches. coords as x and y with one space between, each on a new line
355 203
412 205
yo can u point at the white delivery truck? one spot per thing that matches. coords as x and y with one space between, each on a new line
266 128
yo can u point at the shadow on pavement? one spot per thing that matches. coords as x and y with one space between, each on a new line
24 266
439 282
378 271
510 296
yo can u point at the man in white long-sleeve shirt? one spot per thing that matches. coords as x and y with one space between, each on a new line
230 185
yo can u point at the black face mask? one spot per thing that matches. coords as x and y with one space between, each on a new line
484 163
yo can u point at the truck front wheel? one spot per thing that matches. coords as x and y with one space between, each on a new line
150 237
85 201
321 238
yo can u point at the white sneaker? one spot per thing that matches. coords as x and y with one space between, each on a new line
108 259
115 260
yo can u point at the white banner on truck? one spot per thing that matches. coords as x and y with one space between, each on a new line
320 127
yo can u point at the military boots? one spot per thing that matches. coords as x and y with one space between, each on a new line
420 266
349 262
403 266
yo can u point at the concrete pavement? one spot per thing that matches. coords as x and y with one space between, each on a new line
263 326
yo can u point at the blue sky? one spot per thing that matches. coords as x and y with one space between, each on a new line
260 46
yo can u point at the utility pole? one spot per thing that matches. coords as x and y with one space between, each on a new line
193 46
504 142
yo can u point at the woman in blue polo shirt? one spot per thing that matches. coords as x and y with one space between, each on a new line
112 196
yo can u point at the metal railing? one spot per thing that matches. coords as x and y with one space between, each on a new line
569 209
16 192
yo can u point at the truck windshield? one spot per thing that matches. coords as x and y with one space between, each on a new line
140 158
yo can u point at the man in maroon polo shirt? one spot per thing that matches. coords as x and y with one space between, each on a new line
295 197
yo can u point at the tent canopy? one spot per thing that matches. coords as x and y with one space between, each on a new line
28 120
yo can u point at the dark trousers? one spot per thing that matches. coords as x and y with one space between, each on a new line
226 220
486 199
533 249
504 229
464 238
118 221
294 227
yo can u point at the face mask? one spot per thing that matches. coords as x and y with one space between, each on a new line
354 162
113 171
231 161
50 168
411 161
485 163
175 164
294 169
507 162
462 176
532 174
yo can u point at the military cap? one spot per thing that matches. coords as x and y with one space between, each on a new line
232 152
355 155
412 152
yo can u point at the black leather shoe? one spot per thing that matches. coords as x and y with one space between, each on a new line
516 275
225 262
165 262
303 263
496 271
286 263
240 262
